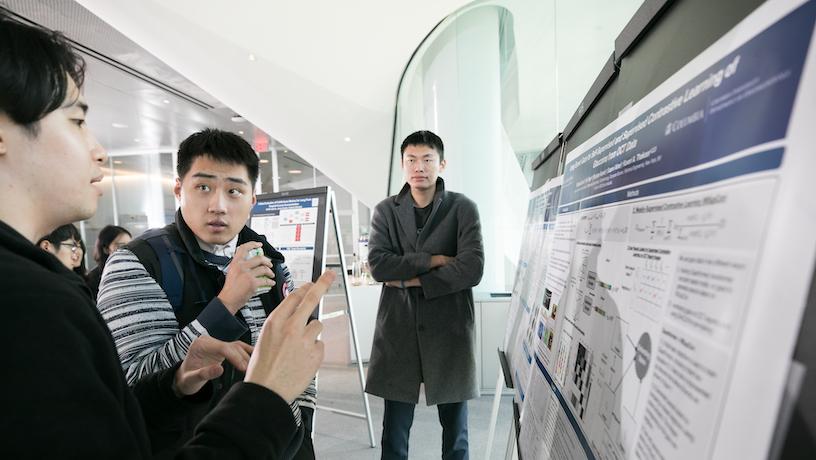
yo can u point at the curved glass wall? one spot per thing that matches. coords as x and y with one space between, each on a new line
498 80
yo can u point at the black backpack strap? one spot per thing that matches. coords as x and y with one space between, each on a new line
172 272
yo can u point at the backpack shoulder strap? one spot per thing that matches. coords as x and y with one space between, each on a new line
172 273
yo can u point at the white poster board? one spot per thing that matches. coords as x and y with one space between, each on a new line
529 293
681 258
294 222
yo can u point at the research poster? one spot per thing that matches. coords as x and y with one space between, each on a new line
290 225
681 257
528 295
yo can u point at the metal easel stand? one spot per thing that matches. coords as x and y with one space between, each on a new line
353 326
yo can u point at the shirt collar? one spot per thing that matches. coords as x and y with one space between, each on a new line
405 193
224 250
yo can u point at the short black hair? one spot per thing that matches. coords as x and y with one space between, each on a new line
427 139
219 145
104 239
62 233
35 65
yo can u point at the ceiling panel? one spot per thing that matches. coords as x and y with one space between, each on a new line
130 114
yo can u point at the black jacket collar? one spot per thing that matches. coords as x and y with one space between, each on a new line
16 243
404 195
405 211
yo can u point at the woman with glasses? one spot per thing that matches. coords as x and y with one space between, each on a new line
66 245
111 238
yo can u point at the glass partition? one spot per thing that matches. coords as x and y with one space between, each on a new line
498 81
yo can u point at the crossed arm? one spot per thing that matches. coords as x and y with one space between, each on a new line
437 260
436 274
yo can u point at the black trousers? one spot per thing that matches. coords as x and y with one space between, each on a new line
399 417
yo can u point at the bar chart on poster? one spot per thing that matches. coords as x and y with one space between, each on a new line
640 309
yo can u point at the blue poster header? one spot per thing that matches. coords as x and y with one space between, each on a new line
743 100
273 208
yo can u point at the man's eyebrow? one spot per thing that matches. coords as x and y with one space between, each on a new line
237 180
82 105
204 175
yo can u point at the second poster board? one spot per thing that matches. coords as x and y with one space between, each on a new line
295 223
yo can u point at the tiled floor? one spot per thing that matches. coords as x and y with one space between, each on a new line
342 437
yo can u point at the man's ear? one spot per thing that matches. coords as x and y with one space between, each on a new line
442 165
45 245
254 199
177 189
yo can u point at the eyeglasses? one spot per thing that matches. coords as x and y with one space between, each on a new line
75 247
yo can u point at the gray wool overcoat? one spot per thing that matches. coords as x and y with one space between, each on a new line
425 334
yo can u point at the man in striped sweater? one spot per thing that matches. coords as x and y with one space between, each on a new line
199 275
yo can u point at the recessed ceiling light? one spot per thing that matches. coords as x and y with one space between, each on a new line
264 161
241 133
285 151
166 101
295 171
117 162
118 125
251 57
347 139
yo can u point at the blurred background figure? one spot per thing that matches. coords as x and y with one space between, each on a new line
67 246
111 238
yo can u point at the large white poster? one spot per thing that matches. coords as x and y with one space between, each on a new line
681 258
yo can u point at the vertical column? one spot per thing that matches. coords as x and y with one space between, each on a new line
113 191
275 171
463 102
152 199
479 157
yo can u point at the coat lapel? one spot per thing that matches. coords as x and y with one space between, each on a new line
405 215
439 196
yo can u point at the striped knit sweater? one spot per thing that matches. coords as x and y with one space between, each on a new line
144 326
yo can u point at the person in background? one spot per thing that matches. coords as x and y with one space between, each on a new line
110 238
426 247
66 245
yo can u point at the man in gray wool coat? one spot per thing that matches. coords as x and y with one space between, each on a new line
426 247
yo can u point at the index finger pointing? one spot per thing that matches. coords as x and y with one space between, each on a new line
290 304
313 296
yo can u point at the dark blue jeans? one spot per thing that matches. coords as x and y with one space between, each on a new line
399 417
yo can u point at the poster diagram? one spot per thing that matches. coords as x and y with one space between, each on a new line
654 255
291 226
